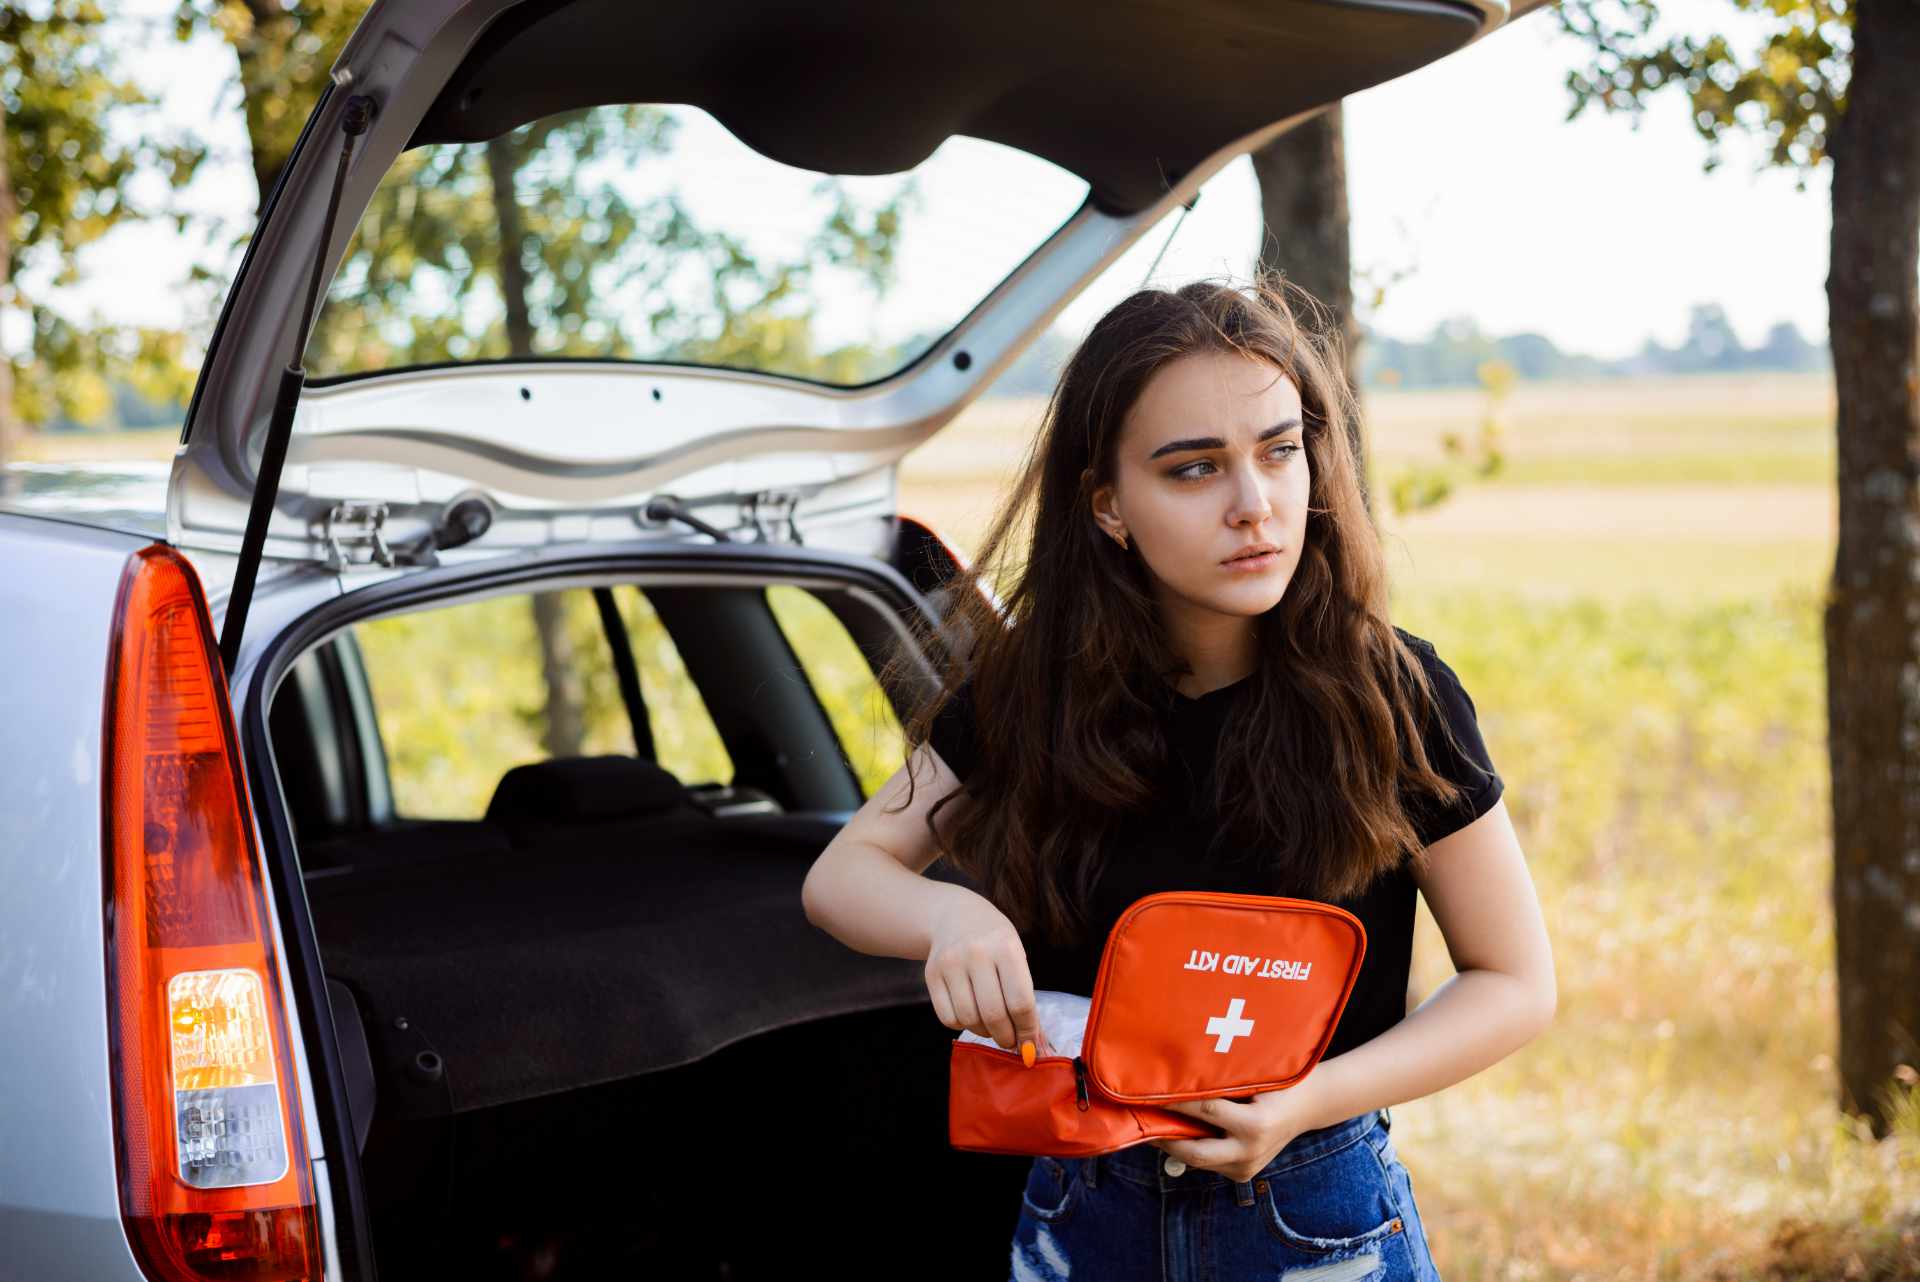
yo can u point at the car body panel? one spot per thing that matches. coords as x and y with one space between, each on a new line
59 1191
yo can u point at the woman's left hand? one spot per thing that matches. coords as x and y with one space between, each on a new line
1255 1130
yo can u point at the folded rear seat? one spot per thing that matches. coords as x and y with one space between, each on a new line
623 931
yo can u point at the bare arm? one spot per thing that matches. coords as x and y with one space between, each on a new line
1482 897
1479 890
866 887
867 890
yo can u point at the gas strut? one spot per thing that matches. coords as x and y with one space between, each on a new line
353 123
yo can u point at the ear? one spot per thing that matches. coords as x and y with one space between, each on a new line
1105 513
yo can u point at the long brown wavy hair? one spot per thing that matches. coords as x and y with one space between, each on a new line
1071 668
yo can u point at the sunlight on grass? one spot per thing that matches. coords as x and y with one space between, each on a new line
1666 772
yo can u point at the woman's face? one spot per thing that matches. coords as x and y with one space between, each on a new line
1212 460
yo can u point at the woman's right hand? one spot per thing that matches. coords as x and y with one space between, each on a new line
977 974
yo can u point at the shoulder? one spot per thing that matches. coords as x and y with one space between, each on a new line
1446 683
1419 645
1455 747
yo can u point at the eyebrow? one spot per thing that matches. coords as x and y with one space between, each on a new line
1215 443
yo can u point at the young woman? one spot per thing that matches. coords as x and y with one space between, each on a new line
1191 682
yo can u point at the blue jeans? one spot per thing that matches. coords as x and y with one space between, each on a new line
1335 1205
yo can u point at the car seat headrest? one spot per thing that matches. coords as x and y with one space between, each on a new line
571 790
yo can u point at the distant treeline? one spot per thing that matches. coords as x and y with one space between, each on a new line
1453 354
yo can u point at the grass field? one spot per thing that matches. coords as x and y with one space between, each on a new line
1672 488
1634 605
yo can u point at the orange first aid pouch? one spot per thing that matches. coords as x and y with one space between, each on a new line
1199 994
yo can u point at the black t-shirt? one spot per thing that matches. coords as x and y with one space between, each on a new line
1166 851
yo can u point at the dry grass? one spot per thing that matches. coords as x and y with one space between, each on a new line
1637 618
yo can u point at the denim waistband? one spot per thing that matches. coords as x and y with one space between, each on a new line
1144 1164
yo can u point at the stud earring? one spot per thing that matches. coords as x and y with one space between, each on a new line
1122 539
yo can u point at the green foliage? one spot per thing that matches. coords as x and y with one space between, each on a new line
684 738
67 178
862 715
1789 83
1421 485
1666 773
284 49
439 270
461 698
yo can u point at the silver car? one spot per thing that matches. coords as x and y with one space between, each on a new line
313 967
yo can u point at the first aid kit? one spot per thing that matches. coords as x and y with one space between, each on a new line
1200 994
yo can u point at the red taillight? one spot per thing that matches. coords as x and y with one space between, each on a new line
214 1176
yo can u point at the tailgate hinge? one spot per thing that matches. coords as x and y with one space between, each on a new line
778 507
352 525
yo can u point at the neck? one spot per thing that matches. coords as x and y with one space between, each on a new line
1219 648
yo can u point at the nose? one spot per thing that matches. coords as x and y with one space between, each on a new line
1250 505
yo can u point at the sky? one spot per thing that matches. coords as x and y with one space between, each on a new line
1470 193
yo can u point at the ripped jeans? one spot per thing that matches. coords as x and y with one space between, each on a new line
1334 1205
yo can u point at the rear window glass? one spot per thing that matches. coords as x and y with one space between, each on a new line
649 232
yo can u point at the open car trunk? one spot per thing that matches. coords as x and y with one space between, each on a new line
593 1031
628 1045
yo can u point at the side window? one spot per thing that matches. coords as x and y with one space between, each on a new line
843 680
465 693
685 739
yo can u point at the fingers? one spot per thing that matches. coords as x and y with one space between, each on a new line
1207 1155
942 1002
1023 1012
966 1011
992 1003
980 982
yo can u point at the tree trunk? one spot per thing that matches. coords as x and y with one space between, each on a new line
501 166
1303 207
566 697
1873 605
12 431
261 55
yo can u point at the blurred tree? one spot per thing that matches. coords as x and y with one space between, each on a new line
1304 237
1710 336
66 179
1837 81
283 49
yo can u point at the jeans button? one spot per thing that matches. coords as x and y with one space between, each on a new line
1174 1166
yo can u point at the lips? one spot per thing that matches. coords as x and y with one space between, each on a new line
1258 549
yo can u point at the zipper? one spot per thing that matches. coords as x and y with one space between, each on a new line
1080 1083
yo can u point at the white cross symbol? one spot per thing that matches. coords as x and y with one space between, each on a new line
1229 1026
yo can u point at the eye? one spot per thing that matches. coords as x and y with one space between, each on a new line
1185 471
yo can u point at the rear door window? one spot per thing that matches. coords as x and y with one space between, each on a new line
685 739
465 693
863 717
